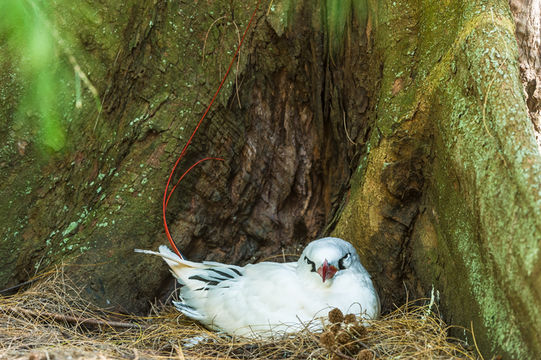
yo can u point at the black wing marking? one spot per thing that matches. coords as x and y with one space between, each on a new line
211 282
213 277
224 274
205 288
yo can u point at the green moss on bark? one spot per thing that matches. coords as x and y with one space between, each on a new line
102 194
490 148
476 235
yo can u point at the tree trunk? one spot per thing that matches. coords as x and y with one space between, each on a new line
415 106
527 15
448 196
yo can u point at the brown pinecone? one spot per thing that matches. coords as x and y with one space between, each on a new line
365 354
336 316
350 319
327 339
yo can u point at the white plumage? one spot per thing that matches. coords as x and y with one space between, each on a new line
270 298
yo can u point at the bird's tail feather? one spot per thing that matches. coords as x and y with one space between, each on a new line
179 268
167 257
172 259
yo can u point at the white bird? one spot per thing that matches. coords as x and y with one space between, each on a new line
267 298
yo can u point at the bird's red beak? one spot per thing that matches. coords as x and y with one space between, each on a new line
326 271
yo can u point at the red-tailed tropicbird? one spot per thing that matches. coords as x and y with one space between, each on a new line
267 298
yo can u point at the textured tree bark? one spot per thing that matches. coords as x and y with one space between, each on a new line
527 15
419 110
448 196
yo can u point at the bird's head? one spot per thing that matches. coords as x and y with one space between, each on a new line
325 258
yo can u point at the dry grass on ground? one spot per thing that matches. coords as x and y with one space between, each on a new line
51 321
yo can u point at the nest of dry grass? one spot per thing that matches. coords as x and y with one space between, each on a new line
51 320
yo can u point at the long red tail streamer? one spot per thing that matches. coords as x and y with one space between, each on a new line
167 194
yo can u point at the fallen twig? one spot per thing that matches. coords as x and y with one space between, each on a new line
89 322
16 287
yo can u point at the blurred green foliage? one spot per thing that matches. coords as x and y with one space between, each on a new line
334 16
337 15
33 55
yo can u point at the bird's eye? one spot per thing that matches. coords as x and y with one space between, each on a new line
311 263
341 261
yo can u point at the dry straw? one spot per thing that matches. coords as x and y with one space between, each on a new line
50 320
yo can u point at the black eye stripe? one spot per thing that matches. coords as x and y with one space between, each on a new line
311 263
341 262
